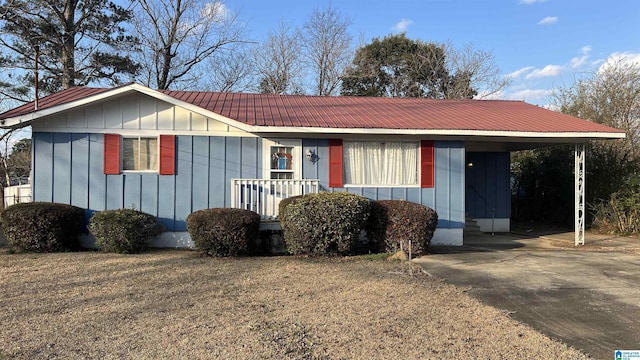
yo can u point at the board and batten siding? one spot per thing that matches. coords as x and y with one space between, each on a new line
447 197
68 168
133 112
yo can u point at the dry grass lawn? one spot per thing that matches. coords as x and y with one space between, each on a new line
179 305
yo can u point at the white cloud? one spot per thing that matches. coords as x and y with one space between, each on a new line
577 62
520 72
402 25
215 11
549 70
548 20
621 58
529 2
530 94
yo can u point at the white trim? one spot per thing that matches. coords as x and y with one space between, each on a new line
499 224
154 132
580 180
381 186
173 239
139 137
167 239
450 237
443 132
10 122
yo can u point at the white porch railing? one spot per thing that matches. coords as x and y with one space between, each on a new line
263 195
17 194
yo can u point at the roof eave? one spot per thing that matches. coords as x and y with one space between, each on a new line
587 135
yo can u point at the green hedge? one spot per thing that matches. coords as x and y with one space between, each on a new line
395 223
224 232
43 226
125 231
323 224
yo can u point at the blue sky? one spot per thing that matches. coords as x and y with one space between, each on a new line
541 43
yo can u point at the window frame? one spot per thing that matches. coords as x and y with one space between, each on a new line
296 155
156 170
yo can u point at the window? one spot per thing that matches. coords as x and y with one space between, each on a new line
390 163
282 158
367 163
281 162
140 153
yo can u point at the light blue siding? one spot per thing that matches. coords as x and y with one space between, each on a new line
447 198
80 170
232 168
166 201
488 184
115 192
97 190
149 194
200 196
42 144
217 175
249 158
62 168
184 186
69 168
132 190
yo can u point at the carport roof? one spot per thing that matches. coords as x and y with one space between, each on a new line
328 114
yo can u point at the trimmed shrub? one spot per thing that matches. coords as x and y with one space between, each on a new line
395 223
43 226
284 203
224 232
324 224
124 231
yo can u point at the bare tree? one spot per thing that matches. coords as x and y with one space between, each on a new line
476 67
278 62
230 71
611 97
328 48
178 35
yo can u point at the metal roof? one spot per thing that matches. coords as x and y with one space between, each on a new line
344 112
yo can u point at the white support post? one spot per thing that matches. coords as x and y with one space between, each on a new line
580 180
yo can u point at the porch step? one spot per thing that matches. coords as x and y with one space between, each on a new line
471 227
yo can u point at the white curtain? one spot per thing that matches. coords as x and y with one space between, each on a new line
139 153
380 163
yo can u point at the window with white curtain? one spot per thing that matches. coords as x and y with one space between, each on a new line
390 163
140 153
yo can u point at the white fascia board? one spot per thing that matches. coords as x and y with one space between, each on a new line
438 132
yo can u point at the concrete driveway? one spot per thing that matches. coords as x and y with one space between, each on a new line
587 297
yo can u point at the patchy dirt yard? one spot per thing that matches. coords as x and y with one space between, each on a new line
176 304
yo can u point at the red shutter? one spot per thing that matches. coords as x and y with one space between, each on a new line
111 154
335 163
427 164
167 155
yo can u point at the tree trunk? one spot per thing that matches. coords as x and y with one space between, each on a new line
68 46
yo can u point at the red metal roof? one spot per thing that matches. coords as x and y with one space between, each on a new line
359 112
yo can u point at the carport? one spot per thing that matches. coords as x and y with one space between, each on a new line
488 178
